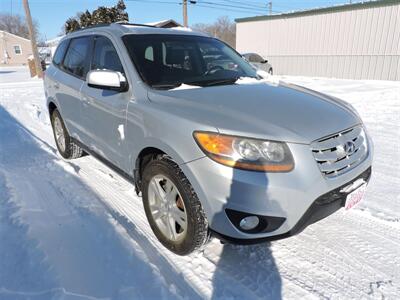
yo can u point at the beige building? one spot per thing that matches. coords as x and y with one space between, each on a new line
355 41
14 50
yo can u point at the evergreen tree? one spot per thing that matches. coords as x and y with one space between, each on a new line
121 14
71 24
101 15
85 19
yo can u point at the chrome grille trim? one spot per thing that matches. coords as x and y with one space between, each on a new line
331 157
338 139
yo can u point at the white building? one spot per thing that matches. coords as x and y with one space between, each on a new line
356 41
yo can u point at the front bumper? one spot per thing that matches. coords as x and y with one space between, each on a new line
321 208
292 197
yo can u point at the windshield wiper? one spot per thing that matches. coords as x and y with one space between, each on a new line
166 86
214 82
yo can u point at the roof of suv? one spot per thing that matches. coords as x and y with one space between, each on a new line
120 29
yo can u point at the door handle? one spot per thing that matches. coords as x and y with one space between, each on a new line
85 101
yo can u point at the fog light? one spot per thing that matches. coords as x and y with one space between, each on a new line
249 223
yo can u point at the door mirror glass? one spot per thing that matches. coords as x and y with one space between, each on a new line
107 80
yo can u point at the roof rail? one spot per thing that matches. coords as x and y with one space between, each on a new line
115 23
134 24
91 27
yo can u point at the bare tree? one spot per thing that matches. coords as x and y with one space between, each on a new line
223 28
16 24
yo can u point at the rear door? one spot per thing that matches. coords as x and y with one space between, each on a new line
104 111
68 81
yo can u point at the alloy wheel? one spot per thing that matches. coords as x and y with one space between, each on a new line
167 208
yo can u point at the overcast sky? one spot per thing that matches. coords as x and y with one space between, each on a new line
51 14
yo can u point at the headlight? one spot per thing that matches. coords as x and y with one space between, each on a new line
246 153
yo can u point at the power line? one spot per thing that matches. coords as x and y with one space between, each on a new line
226 9
232 6
243 8
155 1
247 3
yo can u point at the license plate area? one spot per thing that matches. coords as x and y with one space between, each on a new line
355 197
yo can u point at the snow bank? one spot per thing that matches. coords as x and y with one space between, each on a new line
76 230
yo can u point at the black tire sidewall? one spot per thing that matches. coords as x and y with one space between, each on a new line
65 154
168 169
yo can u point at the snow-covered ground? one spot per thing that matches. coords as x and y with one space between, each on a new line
76 230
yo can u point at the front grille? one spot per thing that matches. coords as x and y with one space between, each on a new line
341 152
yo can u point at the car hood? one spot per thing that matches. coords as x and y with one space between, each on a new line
279 111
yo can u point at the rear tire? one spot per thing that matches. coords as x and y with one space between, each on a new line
194 233
66 147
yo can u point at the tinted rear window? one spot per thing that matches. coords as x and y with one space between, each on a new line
59 55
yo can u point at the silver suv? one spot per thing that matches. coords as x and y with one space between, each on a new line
214 149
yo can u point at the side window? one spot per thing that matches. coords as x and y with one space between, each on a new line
149 53
256 58
105 56
76 60
216 59
178 56
17 49
59 55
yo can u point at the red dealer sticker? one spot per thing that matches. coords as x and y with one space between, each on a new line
355 197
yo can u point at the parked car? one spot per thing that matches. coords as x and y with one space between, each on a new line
214 58
211 154
259 62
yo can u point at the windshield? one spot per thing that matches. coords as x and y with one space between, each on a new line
167 61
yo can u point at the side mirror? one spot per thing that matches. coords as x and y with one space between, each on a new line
264 61
107 80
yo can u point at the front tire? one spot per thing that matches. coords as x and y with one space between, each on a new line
270 71
66 147
172 207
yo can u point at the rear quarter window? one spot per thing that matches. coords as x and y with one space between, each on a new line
60 52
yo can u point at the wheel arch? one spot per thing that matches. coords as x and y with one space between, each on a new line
142 159
153 149
51 106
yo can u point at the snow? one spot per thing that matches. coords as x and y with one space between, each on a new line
158 22
180 28
76 230
185 87
55 41
266 78
121 131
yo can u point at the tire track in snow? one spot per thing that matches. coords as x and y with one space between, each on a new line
87 254
344 234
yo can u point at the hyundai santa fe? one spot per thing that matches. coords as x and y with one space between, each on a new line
213 148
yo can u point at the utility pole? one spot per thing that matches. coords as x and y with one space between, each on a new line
185 16
33 39
270 7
